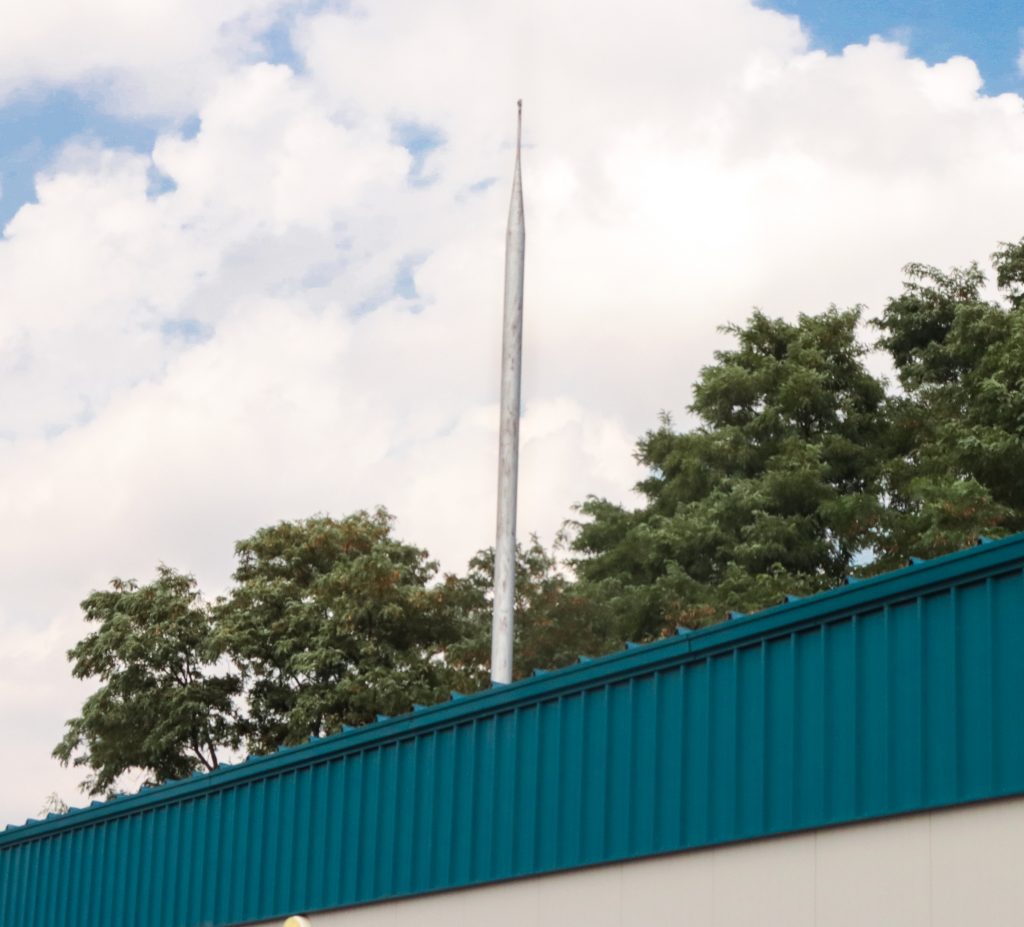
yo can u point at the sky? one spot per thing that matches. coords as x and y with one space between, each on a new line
251 258
989 33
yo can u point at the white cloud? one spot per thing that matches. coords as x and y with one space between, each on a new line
191 365
139 57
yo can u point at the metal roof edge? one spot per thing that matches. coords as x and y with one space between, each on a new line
990 557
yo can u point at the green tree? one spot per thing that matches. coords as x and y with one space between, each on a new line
959 421
776 490
555 622
162 706
804 466
53 804
332 621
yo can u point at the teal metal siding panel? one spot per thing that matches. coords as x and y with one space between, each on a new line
895 695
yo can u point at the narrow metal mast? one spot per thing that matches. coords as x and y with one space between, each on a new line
508 441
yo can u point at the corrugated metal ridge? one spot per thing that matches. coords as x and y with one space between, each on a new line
963 565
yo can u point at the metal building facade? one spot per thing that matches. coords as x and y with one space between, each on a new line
895 694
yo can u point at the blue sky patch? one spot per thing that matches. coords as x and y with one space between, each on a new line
403 286
276 42
989 32
189 129
190 331
419 140
278 47
405 280
33 128
159 183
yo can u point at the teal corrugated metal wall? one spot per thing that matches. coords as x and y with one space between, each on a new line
889 696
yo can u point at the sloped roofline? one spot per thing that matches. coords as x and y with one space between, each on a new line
871 594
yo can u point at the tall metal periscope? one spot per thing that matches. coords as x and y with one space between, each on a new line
502 627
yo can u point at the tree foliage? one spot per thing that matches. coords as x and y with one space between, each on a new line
162 706
776 489
959 422
332 622
554 621
803 466
329 622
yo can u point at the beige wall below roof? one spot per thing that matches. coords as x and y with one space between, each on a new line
960 867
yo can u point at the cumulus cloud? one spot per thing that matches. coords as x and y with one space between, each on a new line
296 308
143 58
